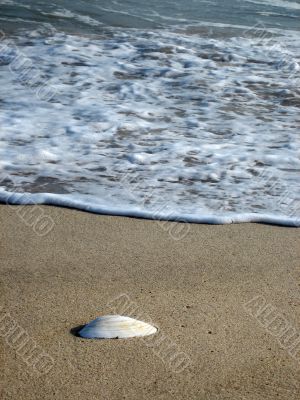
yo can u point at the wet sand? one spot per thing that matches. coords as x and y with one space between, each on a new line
194 290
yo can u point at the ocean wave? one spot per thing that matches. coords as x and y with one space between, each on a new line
154 123
292 5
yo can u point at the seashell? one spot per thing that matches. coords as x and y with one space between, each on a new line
116 327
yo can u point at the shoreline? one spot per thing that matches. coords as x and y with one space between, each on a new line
201 291
58 200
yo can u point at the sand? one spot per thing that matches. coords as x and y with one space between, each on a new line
194 290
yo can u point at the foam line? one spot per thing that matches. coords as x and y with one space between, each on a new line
14 198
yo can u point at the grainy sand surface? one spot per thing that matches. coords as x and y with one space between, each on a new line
194 290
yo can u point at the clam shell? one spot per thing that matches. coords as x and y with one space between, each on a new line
116 327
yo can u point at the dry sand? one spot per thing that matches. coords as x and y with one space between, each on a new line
194 290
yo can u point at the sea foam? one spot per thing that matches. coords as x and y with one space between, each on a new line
155 125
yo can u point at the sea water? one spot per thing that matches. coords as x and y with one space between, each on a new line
179 110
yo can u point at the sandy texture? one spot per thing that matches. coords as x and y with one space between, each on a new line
194 290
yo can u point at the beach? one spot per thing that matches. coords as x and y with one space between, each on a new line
200 291
149 169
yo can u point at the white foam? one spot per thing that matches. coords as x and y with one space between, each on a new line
64 13
157 125
278 3
68 201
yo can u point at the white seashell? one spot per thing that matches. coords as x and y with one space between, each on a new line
116 327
